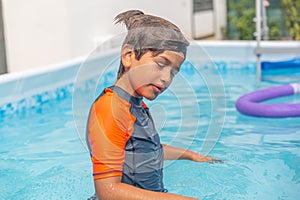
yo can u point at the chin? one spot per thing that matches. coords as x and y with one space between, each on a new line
150 97
148 94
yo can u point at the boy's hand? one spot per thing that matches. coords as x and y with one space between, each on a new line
201 158
175 153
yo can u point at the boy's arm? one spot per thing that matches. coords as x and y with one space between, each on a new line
175 153
112 189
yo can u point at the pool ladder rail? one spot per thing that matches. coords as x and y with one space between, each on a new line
262 30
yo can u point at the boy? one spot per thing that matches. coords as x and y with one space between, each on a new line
126 152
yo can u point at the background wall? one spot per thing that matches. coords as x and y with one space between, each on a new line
2 44
44 32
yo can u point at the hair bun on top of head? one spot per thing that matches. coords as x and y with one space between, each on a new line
137 19
128 17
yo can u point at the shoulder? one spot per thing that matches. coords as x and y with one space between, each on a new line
112 109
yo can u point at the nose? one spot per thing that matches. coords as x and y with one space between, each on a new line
166 76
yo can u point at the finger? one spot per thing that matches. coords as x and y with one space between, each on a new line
214 161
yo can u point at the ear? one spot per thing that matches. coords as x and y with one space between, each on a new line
127 56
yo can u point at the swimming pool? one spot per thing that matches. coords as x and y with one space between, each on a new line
43 157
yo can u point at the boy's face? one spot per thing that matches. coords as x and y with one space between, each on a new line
152 74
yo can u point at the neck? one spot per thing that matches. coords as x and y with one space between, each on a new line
124 83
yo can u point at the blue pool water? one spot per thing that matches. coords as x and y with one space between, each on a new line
43 157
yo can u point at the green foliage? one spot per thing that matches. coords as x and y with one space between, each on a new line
292 17
274 32
240 15
240 19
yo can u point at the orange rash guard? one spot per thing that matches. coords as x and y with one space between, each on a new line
123 140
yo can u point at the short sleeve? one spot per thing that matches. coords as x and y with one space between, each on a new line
110 125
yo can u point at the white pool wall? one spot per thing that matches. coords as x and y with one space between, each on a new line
50 31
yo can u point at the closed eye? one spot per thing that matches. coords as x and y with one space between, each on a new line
174 70
160 65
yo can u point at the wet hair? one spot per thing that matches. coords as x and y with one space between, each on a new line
150 33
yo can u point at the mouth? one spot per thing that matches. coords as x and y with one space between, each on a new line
158 88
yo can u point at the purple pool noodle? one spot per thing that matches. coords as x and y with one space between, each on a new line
249 103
